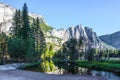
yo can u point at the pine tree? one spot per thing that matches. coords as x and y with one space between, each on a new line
40 37
17 22
51 52
42 41
37 33
25 24
71 44
21 44
3 46
34 34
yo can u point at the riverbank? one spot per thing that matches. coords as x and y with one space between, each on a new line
112 66
29 75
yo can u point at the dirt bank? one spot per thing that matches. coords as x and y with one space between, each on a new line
29 75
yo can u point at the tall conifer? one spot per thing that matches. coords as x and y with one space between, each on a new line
25 24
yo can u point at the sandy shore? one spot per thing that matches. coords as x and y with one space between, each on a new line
29 75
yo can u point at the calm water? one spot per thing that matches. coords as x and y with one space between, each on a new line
51 67
108 75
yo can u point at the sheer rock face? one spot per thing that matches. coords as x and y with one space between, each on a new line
87 34
112 39
6 17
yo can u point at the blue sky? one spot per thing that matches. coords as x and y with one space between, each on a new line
101 15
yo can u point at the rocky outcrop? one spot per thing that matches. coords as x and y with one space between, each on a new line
87 34
6 16
112 39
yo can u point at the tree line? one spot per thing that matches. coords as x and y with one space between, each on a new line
76 50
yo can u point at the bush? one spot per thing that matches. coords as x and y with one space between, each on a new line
19 48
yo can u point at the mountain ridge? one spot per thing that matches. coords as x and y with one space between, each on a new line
52 35
112 39
89 37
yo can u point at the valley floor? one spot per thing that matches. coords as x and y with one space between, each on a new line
29 75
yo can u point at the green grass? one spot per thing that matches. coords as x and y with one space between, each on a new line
113 61
106 65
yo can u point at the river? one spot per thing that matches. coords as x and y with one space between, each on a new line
67 68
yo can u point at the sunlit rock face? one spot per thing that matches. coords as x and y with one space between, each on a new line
87 34
6 12
6 17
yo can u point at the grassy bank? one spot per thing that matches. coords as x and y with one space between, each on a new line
113 66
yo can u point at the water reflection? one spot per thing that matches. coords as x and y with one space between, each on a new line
48 66
51 67
108 75
70 68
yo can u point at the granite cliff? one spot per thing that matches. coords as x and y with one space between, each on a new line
6 17
89 37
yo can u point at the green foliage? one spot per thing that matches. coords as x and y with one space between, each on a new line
40 37
42 43
75 49
3 47
21 43
17 24
106 65
71 45
49 53
59 55
70 50
45 66
25 24
91 54
46 54
45 27
14 48
42 25
19 48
